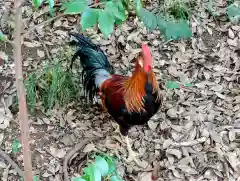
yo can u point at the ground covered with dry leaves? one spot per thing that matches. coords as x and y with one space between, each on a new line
195 136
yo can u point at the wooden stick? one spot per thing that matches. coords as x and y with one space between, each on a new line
23 114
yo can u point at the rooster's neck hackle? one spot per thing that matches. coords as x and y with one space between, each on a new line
134 89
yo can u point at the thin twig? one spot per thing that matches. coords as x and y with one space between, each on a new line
77 147
23 114
189 143
44 45
42 24
11 162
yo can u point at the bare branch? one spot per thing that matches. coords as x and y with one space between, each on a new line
189 143
23 114
11 162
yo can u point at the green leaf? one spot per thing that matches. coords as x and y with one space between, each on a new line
89 18
16 145
111 164
172 85
102 165
148 18
233 10
93 172
106 22
161 24
2 37
75 7
86 177
36 178
115 178
138 6
51 5
188 85
177 30
37 3
211 10
78 179
115 9
120 5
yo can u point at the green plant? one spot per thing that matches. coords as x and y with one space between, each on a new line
51 86
174 85
233 12
107 13
103 168
171 29
2 36
37 3
35 178
211 9
179 9
112 13
16 146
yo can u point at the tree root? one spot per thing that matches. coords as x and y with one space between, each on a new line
78 147
11 162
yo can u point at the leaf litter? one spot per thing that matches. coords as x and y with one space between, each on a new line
194 137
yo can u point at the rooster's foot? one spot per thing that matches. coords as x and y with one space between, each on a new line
117 128
132 156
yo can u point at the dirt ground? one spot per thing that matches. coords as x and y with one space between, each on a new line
195 135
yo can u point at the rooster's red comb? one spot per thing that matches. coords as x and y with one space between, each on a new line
147 57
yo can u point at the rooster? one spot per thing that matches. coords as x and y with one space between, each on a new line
129 100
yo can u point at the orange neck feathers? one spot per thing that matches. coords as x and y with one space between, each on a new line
134 89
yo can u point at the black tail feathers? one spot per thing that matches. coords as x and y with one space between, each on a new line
94 63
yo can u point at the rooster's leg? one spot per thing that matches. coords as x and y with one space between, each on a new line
131 154
117 128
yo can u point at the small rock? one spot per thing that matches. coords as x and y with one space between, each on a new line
46 174
172 113
68 140
72 19
205 133
157 147
57 23
137 144
144 164
236 28
152 125
230 34
156 43
232 42
61 33
145 176
60 153
89 147
129 169
121 40
40 53
121 170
